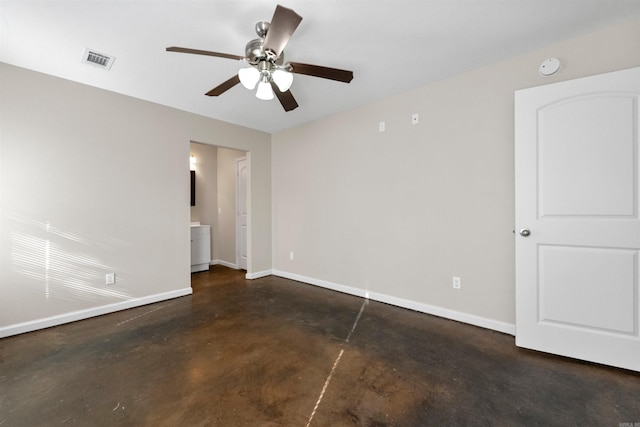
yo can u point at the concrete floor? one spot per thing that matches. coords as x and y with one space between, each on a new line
273 352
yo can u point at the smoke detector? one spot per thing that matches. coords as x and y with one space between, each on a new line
549 67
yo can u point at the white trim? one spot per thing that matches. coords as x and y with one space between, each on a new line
259 274
483 322
225 264
34 325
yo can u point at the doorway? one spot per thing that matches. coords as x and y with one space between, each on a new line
215 178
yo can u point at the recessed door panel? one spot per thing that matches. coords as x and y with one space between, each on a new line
601 284
586 148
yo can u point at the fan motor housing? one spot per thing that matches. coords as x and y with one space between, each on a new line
254 52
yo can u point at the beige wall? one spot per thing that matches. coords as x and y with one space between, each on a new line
396 214
206 168
206 208
94 182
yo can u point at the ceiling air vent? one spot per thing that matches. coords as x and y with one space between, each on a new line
97 59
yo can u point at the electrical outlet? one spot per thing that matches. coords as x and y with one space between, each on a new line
291 256
381 126
457 283
110 278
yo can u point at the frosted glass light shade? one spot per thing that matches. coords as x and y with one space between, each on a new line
282 79
249 77
264 91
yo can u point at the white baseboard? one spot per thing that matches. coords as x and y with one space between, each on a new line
259 274
34 325
224 263
248 276
446 313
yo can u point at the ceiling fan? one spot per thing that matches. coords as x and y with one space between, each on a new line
267 68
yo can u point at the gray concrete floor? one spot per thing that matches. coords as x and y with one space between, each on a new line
273 352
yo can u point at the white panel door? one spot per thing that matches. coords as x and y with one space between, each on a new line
577 225
241 209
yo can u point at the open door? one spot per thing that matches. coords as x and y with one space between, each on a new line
577 219
241 212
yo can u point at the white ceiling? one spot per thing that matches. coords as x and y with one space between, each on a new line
390 45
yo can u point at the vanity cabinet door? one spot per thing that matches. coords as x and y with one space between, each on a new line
200 247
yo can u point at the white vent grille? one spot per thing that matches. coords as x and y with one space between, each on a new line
97 59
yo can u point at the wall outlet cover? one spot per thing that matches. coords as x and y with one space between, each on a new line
110 278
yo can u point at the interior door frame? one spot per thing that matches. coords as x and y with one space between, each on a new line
214 224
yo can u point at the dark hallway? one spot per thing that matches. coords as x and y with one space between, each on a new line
273 352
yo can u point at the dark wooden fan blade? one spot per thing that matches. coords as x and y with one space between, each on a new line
223 87
323 72
286 98
202 52
283 24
